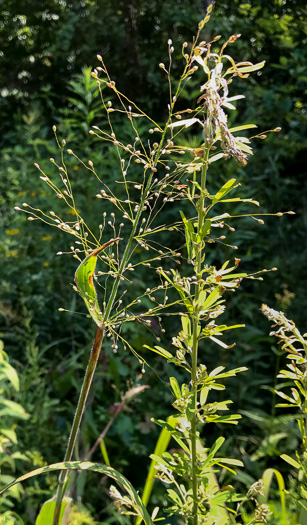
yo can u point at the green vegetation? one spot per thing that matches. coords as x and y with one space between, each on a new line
156 177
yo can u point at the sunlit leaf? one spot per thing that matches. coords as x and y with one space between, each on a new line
221 343
230 373
236 97
285 396
241 128
237 199
186 123
226 188
186 325
175 387
215 447
160 351
231 419
203 395
244 147
46 514
212 298
85 283
235 462
216 157
174 496
228 105
216 371
158 460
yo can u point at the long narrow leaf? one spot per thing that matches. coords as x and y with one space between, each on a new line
226 188
94 467
241 128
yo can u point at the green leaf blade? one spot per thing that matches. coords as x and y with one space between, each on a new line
94 467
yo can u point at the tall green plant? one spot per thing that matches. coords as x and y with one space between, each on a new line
294 377
152 176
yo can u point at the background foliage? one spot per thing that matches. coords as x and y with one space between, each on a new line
47 50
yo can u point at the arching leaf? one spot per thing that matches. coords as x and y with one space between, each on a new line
94 467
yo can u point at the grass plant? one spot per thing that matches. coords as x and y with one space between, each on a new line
155 169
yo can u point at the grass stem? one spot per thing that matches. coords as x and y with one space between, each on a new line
87 381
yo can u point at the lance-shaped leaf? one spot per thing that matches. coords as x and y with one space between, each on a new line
226 188
241 128
186 123
216 157
84 281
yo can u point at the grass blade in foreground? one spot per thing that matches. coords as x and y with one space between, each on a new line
134 498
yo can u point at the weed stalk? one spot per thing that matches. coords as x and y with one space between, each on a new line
196 324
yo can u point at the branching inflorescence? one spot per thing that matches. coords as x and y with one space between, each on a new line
154 170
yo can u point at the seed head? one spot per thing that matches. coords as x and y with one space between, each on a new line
262 513
233 38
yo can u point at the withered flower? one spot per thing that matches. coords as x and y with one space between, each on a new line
216 120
